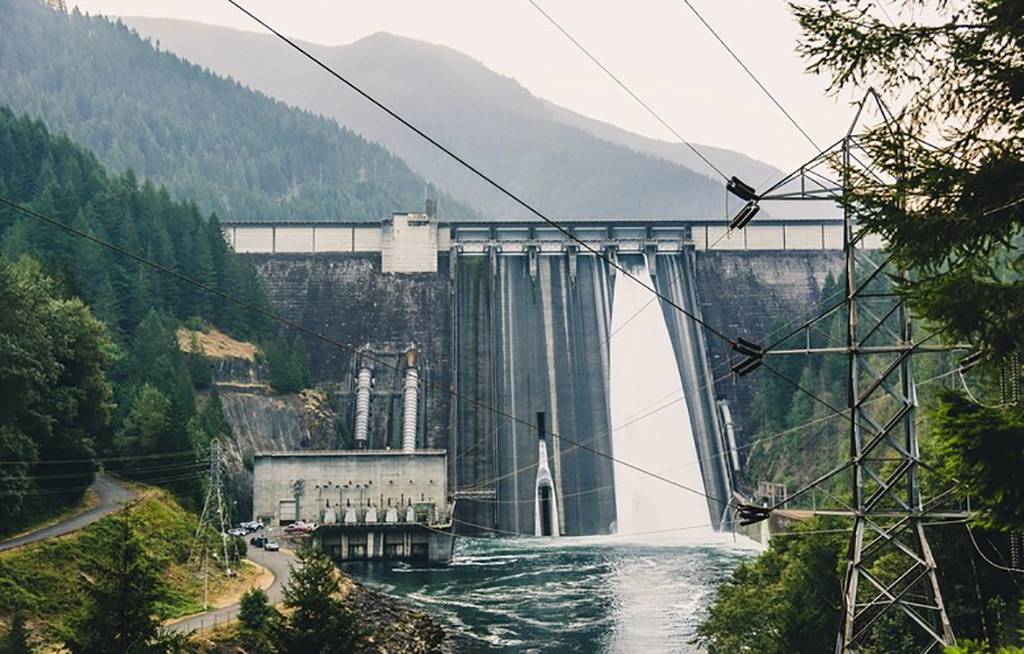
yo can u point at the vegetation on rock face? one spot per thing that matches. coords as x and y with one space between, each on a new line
204 137
289 365
796 438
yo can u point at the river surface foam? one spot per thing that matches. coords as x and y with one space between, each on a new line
589 594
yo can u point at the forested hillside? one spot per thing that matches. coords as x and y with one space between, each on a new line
563 163
103 379
204 137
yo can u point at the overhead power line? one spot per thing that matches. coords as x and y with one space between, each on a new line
317 335
101 459
750 73
568 233
987 560
650 110
476 171
628 90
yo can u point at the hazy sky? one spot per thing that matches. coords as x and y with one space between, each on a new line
656 46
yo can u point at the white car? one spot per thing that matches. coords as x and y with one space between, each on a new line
271 546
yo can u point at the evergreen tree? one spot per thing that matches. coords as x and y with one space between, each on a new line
153 353
283 375
983 446
212 421
149 426
200 370
120 618
954 214
319 622
255 615
300 362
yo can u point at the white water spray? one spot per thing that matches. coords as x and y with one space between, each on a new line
644 379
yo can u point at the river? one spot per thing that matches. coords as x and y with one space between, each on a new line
594 594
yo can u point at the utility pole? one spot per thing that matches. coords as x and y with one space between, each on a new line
212 520
885 503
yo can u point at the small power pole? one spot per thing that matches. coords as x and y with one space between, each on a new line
212 520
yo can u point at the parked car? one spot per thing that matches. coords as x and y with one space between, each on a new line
259 541
300 527
271 546
236 531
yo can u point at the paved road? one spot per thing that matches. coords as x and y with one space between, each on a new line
113 495
279 563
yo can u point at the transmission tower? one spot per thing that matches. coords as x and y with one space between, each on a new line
885 500
212 521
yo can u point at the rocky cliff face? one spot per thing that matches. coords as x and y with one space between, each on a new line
348 299
260 419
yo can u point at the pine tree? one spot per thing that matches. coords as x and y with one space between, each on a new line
954 213
120 617
319 622
299 363
282 368
255 616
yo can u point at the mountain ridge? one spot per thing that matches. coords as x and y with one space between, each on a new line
566 164
208 139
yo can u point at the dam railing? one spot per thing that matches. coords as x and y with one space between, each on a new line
286 237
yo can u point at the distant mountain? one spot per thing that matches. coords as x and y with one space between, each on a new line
566 164
207 138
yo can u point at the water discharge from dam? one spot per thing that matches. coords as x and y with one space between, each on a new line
650 416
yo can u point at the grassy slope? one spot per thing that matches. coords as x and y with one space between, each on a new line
50 579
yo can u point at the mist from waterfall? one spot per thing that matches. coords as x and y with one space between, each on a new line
650 416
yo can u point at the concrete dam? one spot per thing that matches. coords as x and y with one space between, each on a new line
511 324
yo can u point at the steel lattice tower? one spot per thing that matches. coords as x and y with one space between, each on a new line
212 520
885 501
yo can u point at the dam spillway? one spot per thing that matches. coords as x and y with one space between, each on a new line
514 321
531 337
651 423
